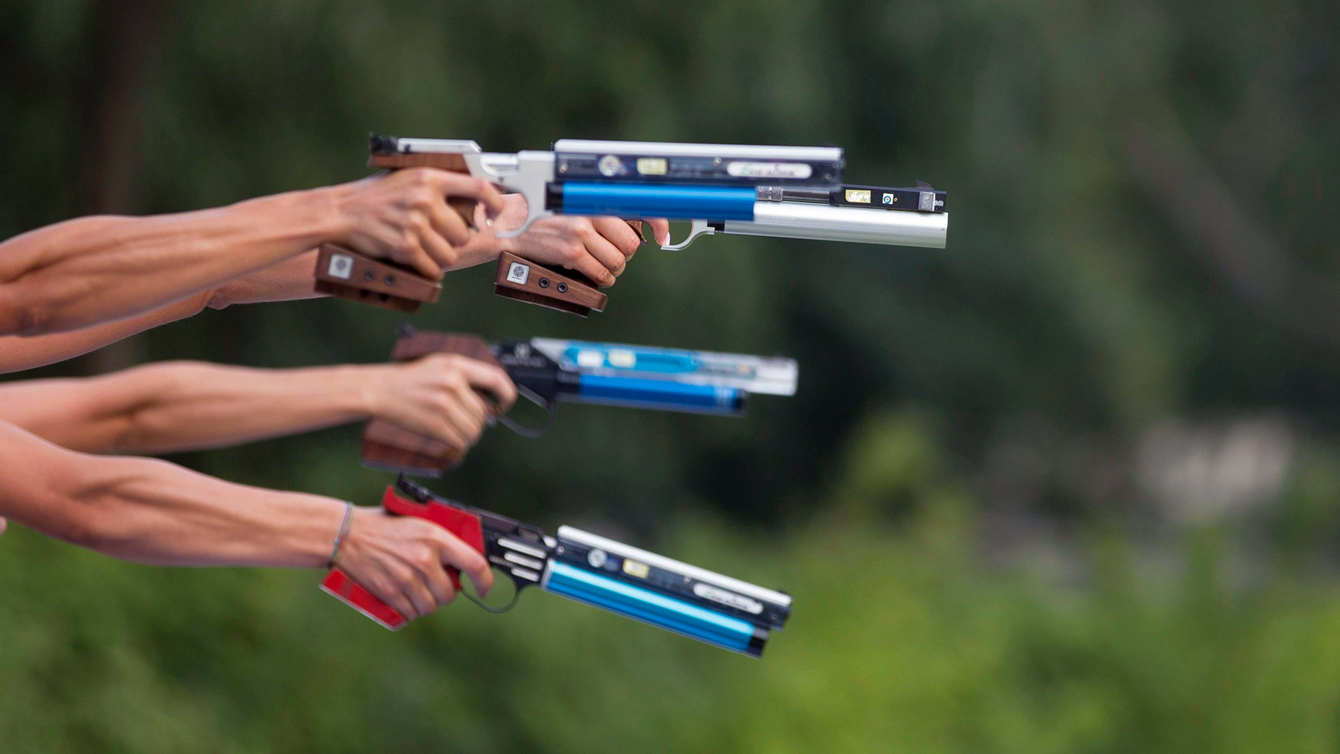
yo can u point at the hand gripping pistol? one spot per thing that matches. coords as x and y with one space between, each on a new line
599 572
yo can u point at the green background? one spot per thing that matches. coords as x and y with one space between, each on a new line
1071 484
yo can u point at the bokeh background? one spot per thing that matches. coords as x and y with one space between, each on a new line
1071 484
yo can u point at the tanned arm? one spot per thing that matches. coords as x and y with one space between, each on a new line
598 247
93 270
151 511
177 406
286 281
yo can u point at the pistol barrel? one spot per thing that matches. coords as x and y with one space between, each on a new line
828 223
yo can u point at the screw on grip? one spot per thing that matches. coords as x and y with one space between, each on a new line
346 273
460 522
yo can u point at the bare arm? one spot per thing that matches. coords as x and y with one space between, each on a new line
151 511
98 269
289 280
176 406
597 247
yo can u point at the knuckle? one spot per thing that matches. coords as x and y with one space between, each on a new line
421 195
443 538
573 250
401 574
422 558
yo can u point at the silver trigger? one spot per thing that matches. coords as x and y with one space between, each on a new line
697 228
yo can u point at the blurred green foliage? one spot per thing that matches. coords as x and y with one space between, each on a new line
1074 294
900 642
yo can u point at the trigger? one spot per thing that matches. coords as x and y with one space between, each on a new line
539 400
697 228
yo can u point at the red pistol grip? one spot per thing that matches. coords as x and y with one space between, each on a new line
458 521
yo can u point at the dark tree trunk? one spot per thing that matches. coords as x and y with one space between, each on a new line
123 56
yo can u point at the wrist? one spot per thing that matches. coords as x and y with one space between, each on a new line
342 535
315 548
329 208
361 526
369 384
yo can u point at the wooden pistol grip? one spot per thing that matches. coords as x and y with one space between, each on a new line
562 290
387 446
349 274
534 283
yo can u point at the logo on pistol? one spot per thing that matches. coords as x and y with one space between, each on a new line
341 266
518 273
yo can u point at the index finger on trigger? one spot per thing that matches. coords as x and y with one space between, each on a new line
488 195
467 560
457 184
660 229
491 379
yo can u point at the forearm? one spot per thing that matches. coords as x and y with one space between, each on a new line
151 511
286 281
177 406
96 269
289 280
18 353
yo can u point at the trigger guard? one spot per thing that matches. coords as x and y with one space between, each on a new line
697 228
520 429
520 585
497 610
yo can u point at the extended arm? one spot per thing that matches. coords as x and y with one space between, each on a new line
176 406
286 281
98 269
151 511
